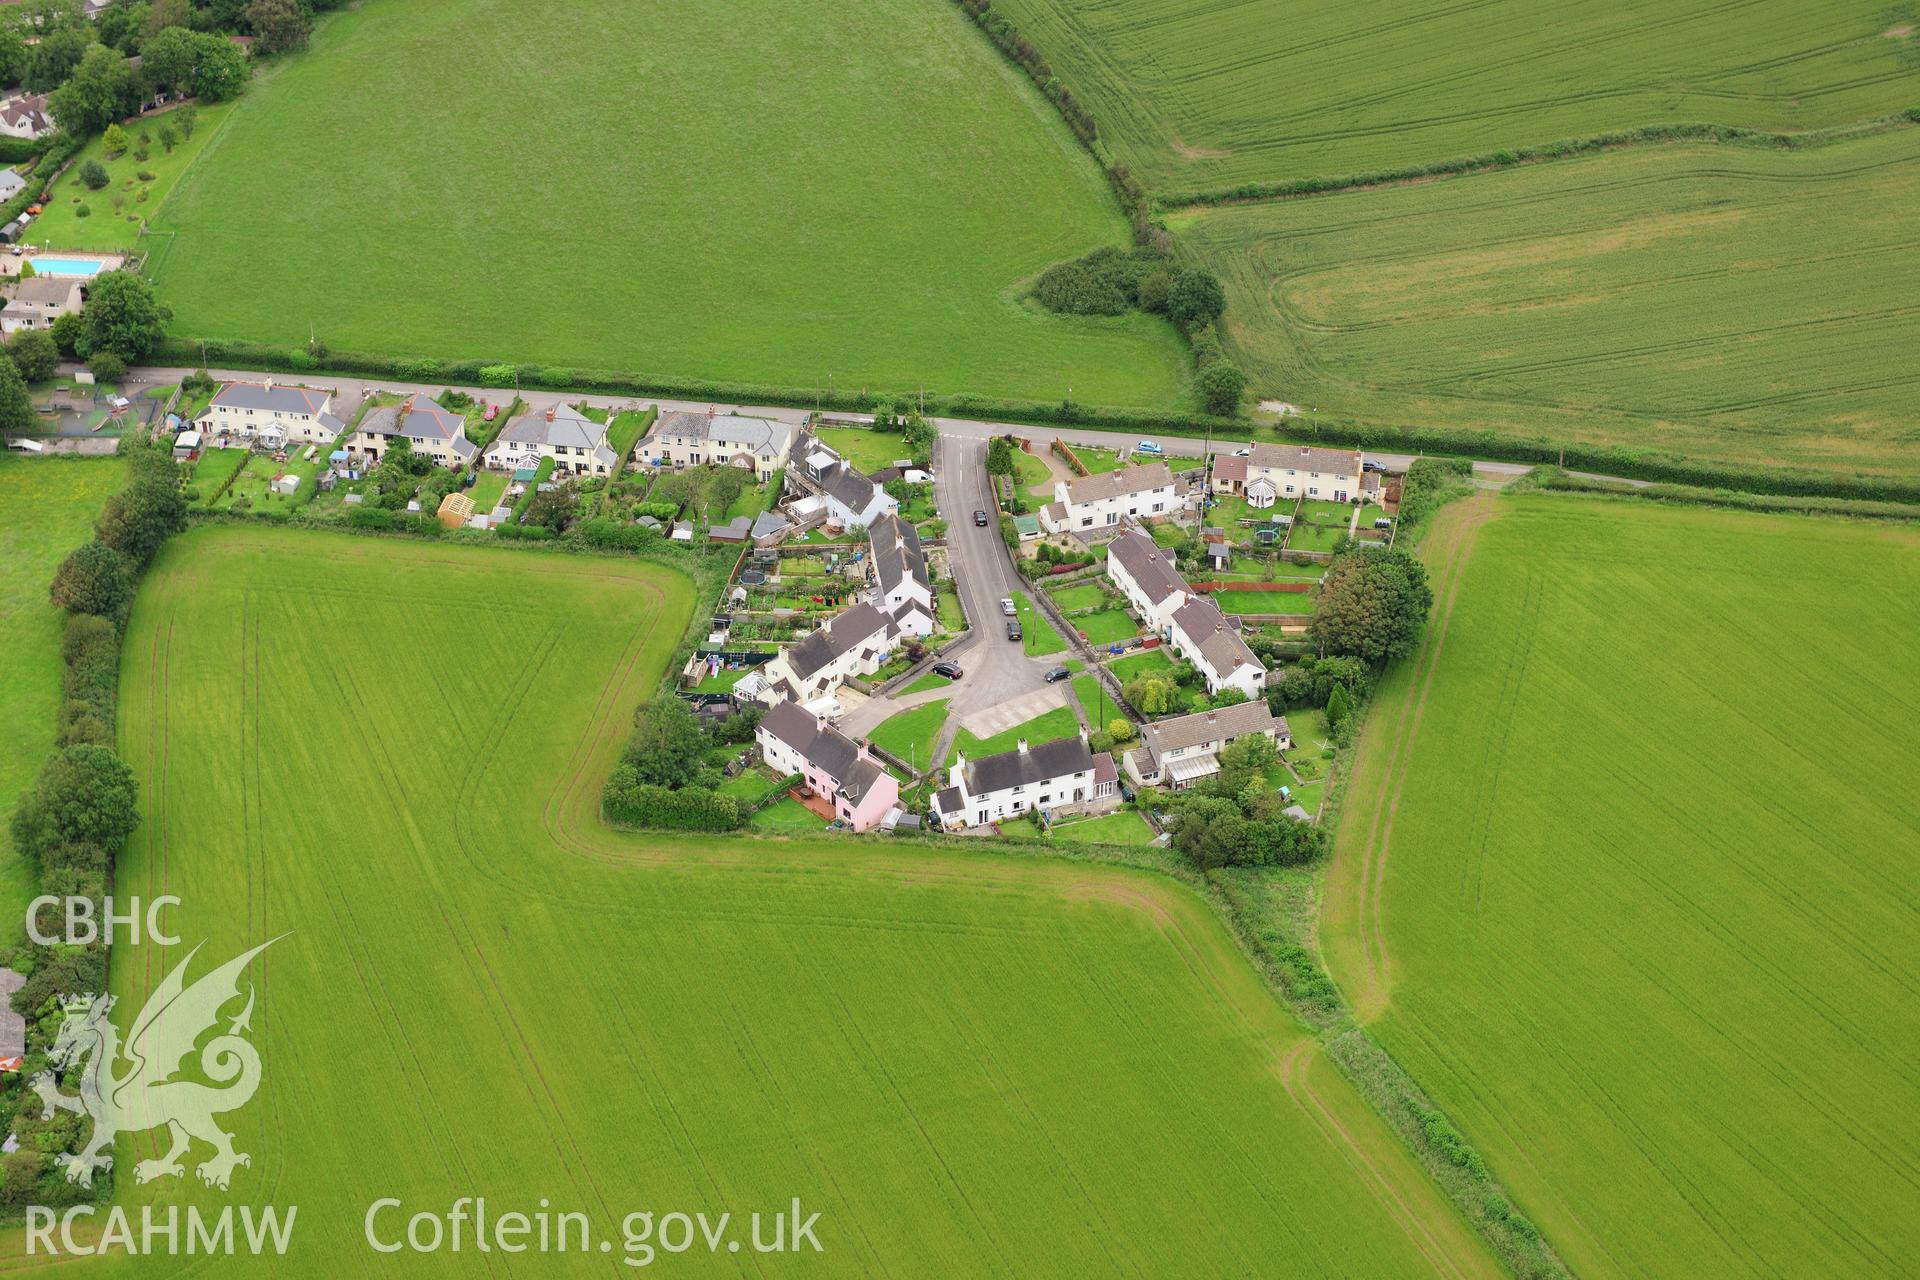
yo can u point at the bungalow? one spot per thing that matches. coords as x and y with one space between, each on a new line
1094 504
851 497
1144 572
1276 471
857 643
687 439
902 587
1054 775
1201 634
1185 749
25 116
844 773
279 412
576 443
433 432
40 300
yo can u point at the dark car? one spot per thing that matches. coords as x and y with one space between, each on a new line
951 670
1058 674
1013 630
1369 464
980 518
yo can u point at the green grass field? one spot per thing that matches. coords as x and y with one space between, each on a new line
1125 827
47 508
428 144
485 992
1640 914
1199 96
868 451
1059 722
1723 303
105 227
909 735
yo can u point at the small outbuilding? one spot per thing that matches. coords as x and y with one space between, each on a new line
456 509
186 444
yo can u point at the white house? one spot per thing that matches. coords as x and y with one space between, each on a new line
1181 751
576 443
432 431
687 439
1144 572
1063 774
857 643
278 412
24 115
1201 634
1090 505
851 496
794 740
902 587
37 302
1275 471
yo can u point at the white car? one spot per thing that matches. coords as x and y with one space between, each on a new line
1243 453
1006 607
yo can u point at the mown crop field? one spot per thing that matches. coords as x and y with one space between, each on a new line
952 1057
47 508
1200 96
1625 879
721 192
1729 303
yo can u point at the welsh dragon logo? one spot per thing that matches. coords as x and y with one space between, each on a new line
147 1093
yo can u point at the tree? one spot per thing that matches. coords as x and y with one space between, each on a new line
140 518
279 26
107 367
1220 387
1373 605
94 175
1000 457
55 57
1195 297
667 744
114 140
99 91
220 72
1338 707
15 56
552 509
92 580
1151 695
85 795
16 406
1251 752
1120 729
169 138
1152 293
121 316
34 353
163 14
66 332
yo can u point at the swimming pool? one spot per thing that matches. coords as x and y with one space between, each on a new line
87 267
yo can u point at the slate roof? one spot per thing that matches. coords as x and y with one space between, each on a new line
562 425
746 435
768 523
61 291
11 184
896 553
1328 462
419 418
1147 564
837 638
1063 757
849 487
825 748
1217 642
1222 725
1111 484
274 397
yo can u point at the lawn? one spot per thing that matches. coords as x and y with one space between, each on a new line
955 1057
1097 460
487 490
1094 701
1646 929
1060 722
1038 637
1034 475
106 227
1106 626
694 144
1315 537
787 815
48 505
909 735
1192 95
1145 662
952 617
626 430
1531 296
1296 602
927 683
1124 827
869 451
209 475
1082 595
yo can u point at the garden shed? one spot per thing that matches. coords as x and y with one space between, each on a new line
456 509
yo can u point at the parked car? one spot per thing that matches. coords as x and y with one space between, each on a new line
1058 674
951 670
1006 607
980 519
493 411
1243 453
1013 629
1148 446
1368 464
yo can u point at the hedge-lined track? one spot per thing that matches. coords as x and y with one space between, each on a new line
955 1057
1752 306
717 193
1649 906
1195 95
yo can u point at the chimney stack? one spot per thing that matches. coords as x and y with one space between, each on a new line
551 410
1023 746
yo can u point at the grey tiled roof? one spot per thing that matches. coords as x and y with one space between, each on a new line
568 427
1109 484
837 638
278 397
1060 758
896 552
1147 564
1221 646
1300 457
1222 725
747 435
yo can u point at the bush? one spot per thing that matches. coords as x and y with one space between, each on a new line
94 175
90 679
1104 283
85 793
145 175
1220 387
626 799
83 211
92 580
107 366
1195 297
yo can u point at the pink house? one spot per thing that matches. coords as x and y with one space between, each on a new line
794 740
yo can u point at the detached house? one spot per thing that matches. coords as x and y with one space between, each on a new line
1091 505
1202 635
25 116
276 412
432 431
1181 751
857 643
851 496
686 439
794 740
576 443
1064 774
1144 572
902 588
1271 472
37 302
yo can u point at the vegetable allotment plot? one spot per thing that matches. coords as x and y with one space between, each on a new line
965 1062
1625 878
1195 95
1722 303
763 191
